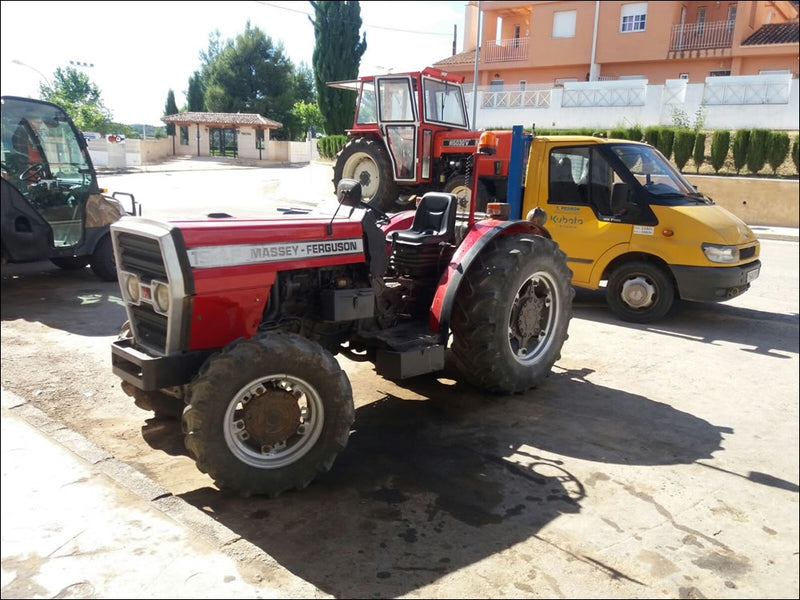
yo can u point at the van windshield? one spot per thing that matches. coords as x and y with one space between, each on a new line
653 172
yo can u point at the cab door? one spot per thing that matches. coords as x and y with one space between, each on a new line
398 121
584 216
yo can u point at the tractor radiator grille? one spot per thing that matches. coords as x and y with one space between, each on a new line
141 255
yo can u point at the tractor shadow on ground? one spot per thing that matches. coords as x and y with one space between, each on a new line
427 487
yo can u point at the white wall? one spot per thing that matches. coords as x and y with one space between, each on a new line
643 105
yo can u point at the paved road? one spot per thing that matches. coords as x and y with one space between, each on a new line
656 461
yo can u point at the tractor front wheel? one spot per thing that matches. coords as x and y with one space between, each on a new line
268 414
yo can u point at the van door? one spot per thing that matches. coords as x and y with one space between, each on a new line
585 216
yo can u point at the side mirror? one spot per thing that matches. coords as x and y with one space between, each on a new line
348 192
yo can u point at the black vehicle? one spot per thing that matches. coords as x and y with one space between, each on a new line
52 206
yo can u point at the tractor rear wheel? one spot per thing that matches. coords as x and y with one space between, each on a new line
457 184
367 161
268 414
512 313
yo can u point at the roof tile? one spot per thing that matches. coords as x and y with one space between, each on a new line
223 119
775 33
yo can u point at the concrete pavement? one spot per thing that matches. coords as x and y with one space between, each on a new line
76 523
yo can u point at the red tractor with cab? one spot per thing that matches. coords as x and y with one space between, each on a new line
234 324
411 135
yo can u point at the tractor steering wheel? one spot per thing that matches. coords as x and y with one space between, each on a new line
31 171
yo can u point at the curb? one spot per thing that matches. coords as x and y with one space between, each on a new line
159 498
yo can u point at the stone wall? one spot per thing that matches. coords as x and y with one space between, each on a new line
757 201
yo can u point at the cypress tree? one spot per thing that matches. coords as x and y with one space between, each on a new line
757 150
777 149
337 56
720 147
699 154
741 140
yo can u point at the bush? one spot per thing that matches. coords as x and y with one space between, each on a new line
777 149
741 140
757 150
329 146
636 134
796 153
699 154
720 147
618 133
684 143
666 139
651 135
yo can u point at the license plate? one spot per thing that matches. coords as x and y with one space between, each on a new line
752 275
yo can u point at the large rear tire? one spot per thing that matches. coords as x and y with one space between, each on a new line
268 414
367 161
512 313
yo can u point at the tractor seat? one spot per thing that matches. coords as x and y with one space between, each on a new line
434 222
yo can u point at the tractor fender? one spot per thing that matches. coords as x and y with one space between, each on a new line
474 242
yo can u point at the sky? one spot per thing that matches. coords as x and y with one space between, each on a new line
135 52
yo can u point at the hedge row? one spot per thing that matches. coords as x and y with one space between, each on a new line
745 149
750 148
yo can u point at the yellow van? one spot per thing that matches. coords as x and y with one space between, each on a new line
630 222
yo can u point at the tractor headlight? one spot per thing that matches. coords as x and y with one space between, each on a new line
160 296
721 254
133 288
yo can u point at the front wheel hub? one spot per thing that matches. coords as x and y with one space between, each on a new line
271 416
638 292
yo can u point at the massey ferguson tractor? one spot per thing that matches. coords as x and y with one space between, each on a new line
235 324
411 135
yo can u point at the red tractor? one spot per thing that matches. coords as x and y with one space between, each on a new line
411 135
235 324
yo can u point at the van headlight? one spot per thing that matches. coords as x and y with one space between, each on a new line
721 254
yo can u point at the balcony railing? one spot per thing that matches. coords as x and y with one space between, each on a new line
513 49
701 36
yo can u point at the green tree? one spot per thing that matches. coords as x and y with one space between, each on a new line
720 147
80 98
699 154
683 145
337 56
757 150
308 115
304 89
251 74
170 108
777 149
796 152
666 140
196 93
741 140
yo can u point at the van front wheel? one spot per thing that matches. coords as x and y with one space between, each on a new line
640 292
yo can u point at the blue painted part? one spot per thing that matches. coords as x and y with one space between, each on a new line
520 146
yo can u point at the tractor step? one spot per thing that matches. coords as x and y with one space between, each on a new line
411 362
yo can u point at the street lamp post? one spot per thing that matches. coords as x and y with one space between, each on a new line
22 64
